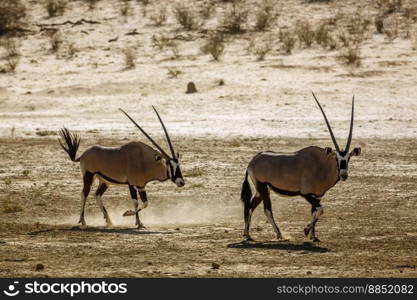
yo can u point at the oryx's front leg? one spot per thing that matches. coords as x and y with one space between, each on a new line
316 212
134 196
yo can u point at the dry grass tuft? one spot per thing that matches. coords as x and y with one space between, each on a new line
130 56
214 45
187 16
163 41
55 41
350 57
159 16
235 17
124 8
55 7
260 48
305 34
12 56
265 15
91 4
206 8
287 41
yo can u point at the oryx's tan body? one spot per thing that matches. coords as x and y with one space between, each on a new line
308 171
134 164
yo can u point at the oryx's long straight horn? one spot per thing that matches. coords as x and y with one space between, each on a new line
147 135
166 133
328 124
351 126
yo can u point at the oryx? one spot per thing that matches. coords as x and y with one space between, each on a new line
309 173
134 164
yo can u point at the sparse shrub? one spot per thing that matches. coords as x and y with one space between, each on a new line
287 40
305 33
145 4
71 49
350 57
260 48
379 24
391 28
12 15
130 57
55 7
55 41
414 38
345 38
174 73
214 45
389 6
124 7
163 42
358 25
12 54
322 35
206 8
186 16
91 4
265 15
159 17
235 17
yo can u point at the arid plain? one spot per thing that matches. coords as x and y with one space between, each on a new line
244 104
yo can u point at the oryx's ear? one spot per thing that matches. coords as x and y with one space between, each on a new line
157 157
328 150
356 152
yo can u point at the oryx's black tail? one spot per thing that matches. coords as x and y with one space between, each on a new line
72 142
246 193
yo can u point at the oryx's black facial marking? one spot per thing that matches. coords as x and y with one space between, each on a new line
343 158
175 173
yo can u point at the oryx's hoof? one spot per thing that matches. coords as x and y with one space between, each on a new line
109 224
282 239
248 238
307 230
316 240
140 226
82 223
129 213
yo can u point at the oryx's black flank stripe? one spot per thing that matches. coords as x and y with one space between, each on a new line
109 179
283 192
291 193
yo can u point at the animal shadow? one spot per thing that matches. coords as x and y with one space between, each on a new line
277 245
129 231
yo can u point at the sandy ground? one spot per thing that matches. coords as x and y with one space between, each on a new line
368 228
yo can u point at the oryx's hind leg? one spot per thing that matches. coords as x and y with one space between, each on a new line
249 208
316 212
87 182
134 196
268 209
101 189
